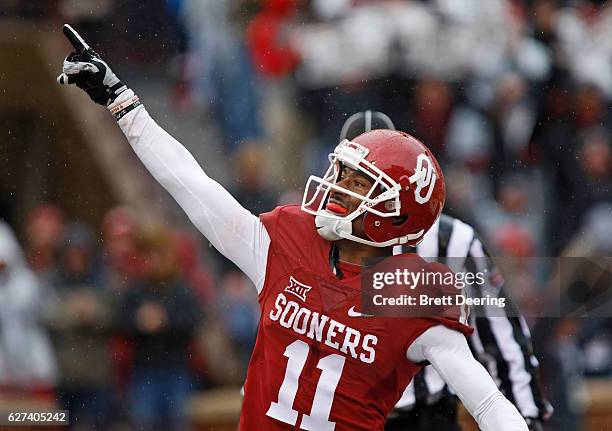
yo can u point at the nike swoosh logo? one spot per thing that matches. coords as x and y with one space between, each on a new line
353 313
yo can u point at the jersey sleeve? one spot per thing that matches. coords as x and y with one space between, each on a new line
449 354
230 228
294 242
271 220
292 233
453 315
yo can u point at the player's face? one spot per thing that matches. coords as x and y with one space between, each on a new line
342 203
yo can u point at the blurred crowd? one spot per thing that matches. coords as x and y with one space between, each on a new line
513 97
113 322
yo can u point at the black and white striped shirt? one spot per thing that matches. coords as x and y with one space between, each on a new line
501 343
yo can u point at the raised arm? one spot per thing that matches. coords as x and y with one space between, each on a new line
234 231
449 354
231 229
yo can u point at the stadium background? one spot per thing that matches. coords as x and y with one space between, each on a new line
513 97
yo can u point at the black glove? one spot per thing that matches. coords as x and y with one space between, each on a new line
89 72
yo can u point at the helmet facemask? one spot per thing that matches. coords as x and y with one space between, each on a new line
382 200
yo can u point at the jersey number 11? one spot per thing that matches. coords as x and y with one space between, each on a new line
331 369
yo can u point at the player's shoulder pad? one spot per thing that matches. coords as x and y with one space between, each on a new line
289 224
286 214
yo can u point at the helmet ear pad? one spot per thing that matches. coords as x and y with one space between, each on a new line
381 229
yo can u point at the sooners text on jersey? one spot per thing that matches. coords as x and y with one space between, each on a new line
319 364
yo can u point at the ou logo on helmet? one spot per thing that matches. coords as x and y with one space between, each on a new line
425 178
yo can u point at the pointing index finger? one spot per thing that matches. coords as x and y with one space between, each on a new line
75 39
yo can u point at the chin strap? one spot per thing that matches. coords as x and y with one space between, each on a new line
331 229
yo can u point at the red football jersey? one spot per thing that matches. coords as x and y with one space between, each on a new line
318 364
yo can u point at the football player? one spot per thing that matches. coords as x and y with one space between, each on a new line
501 339
318 363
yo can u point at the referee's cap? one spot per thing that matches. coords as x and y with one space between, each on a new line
364 121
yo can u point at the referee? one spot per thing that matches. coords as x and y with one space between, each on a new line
501 343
